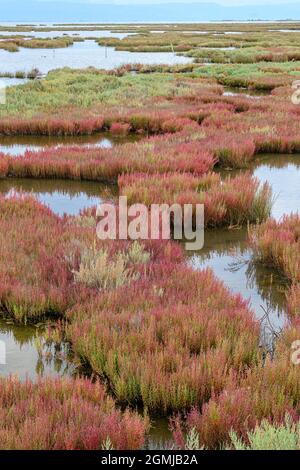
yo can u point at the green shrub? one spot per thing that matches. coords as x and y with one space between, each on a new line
271 437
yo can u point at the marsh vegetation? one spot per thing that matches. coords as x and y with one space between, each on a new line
121 310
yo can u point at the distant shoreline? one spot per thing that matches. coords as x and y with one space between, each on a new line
100 23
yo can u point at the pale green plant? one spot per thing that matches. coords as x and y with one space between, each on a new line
159 291
192 441
97 270
137 254
270 437
107 445
87 89
85 221
262 204
39 344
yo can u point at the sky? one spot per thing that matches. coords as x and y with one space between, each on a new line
116 10
147 2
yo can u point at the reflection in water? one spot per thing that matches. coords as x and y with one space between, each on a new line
75 32
25 358
62 196
246 92
227 253
159 435
18 145
283 174
81 55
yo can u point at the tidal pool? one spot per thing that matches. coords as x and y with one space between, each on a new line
283 173
228 254
62 196
246 92
72 32
284 30
19 145
159 434
25 357
80 55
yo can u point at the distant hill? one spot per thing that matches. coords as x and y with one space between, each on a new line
59 11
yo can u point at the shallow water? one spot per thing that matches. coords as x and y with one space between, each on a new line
228 253
283 173
81 55
159 434
221 33
74 32
18 145
62 196
284 30
22 356
194 32
233 32
246 92
7 81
